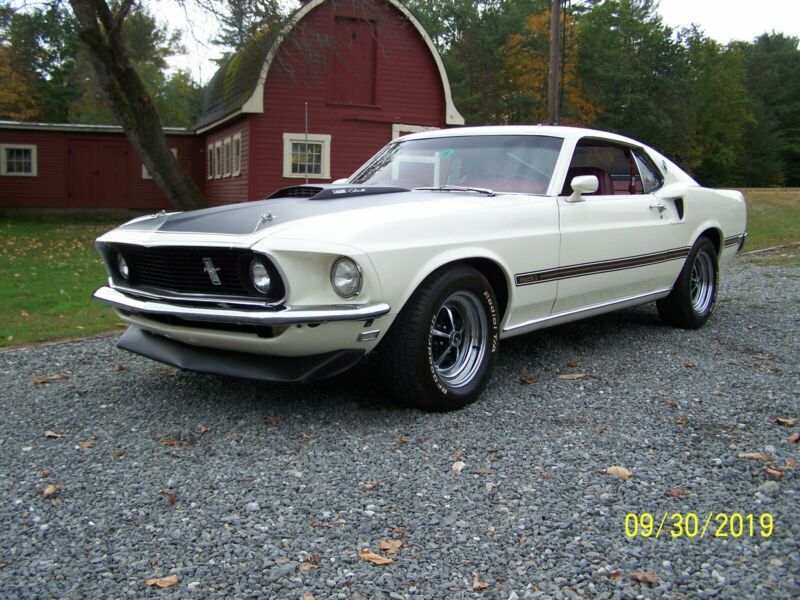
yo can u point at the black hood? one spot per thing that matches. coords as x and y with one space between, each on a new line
283 206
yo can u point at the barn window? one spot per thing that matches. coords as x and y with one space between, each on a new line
306 155
18 160
210 162
146 173
217 160
226 145
237 155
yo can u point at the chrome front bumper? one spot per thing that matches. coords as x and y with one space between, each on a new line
287 315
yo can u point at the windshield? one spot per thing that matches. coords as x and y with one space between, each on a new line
503 163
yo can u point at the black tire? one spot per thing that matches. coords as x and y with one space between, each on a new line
694 295
426 332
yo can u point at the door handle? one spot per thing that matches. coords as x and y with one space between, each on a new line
660 208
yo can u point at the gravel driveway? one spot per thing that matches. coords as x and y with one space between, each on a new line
249 490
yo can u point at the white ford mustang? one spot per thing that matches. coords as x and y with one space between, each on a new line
440 246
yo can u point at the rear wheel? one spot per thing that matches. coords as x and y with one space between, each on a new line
694 295
439 353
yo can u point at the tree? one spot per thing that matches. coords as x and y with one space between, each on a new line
526 73
100 28
17 91
772 149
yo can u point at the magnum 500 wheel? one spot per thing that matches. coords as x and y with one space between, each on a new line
694 295
439 353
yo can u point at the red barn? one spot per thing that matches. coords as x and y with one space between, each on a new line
313 101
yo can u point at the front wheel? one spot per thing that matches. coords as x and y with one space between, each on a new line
694 295
439 353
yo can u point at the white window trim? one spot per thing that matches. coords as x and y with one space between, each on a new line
218 160
237 156
227 157
301 138
400 127
210 161
146 173
4 164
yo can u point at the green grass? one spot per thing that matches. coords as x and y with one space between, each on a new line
773 217
49 267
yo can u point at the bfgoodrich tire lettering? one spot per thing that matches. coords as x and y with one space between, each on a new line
694 294
440 351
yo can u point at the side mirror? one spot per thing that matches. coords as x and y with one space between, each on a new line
340 181
583 184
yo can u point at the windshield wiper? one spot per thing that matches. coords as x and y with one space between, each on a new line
456 188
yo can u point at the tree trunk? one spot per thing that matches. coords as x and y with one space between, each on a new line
100 28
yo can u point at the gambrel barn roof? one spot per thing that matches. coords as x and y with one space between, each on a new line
238 86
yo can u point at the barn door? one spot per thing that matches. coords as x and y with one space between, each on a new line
98 175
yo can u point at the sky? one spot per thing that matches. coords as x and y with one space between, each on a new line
722 20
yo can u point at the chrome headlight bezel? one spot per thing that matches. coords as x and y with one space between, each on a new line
122 267
258 272
355 273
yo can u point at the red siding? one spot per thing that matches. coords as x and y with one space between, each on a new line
227 190
408 90
89 170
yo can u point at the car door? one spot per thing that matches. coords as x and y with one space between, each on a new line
620 242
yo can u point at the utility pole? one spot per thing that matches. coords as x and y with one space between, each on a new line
555 51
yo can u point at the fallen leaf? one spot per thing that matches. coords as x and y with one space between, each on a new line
306 436
458 466
573 365
762 357
44 473
688 365
681 421
794 438
572 376
670 403
790 463
42 379
785 422
614 574
528 379
162 582
51 434
477 584
390 546
400 440
480 471
203 429
718 393
676 492
644 577
309 596
85 444
171 442
371 486
775 474
756 456
24 313
51 490
320 525
375 559
121 368
306 567
619 472
118 453
274 421
170 496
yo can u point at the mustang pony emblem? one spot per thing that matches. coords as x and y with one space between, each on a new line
212 271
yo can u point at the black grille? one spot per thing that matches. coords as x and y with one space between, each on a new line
185 270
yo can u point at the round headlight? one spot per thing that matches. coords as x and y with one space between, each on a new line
346 277
122 267
260 276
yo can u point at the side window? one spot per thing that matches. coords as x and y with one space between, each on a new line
650 176
612 164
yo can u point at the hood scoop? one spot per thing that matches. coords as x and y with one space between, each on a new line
313 192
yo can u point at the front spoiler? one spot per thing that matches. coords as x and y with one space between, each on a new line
283 316
303 369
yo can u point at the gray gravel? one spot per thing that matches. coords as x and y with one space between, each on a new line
248 490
